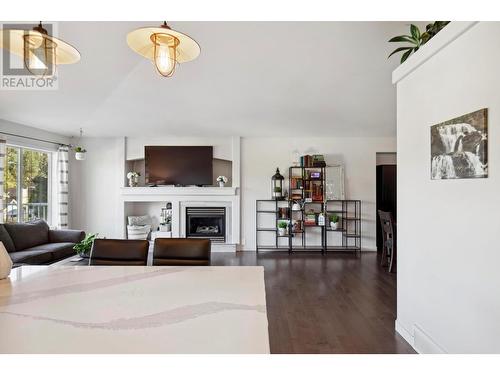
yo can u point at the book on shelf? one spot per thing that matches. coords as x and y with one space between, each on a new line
311 161
318 161
310 218
296 183
283 212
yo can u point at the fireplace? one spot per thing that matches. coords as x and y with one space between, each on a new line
206 222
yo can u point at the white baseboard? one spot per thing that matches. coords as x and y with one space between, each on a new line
419 340
223 248
425 344
404 333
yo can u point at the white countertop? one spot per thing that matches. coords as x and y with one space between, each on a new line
133 309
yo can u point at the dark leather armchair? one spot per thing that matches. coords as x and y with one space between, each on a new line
181 252
119 253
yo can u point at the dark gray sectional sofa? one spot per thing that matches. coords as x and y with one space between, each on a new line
35 243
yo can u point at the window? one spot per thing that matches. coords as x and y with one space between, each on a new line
26 181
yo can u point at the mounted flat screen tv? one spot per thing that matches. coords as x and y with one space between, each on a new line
178 165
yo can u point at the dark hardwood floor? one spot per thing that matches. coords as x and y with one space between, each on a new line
326 304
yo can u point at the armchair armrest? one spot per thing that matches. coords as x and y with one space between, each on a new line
66 235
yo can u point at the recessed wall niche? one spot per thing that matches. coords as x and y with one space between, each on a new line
221 167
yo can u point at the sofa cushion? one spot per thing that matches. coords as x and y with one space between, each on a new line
42 254
26 235
6 240
66 235
59 250
31 257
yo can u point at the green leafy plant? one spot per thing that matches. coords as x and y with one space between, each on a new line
282 224
334 218
83 247
80 149
416 38
277 189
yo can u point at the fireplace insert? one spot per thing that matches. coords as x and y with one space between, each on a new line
206 222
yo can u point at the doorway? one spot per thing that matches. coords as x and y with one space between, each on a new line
386 189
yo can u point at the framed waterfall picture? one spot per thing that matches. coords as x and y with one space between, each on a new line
459 147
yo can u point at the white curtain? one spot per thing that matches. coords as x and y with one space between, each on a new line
63 175
3 195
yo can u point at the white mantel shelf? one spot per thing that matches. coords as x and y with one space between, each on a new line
178 191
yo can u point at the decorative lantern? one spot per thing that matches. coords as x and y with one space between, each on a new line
277 185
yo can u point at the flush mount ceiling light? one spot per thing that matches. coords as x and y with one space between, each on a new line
40 51
164 46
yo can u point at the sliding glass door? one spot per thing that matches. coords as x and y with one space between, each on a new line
27 185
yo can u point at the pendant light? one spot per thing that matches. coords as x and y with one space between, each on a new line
40 51
164 46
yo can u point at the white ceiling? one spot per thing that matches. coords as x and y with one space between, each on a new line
251 79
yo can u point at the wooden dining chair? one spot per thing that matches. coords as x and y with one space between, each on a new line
181 252
119 253
389 251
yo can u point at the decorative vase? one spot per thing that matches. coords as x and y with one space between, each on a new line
133 181
166 227
281 231
5 262
80 155
221 183
334 225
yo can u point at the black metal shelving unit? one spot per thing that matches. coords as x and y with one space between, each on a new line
349 213
276 212
310 192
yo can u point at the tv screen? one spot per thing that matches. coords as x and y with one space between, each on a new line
178 165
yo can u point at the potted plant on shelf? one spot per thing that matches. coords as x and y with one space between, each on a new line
334 221
282 225
221 180
80 153
133 178
166 224
83 247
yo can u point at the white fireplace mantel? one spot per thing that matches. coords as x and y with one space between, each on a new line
147 193
182 197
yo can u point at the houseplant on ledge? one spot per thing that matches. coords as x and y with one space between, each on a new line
84 246
222 180
416 38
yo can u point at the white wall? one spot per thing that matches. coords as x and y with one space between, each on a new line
386 158
448 239
221 145
95 194
95 203
261 156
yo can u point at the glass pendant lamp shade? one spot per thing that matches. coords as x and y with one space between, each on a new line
164 47
39 54
40 51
